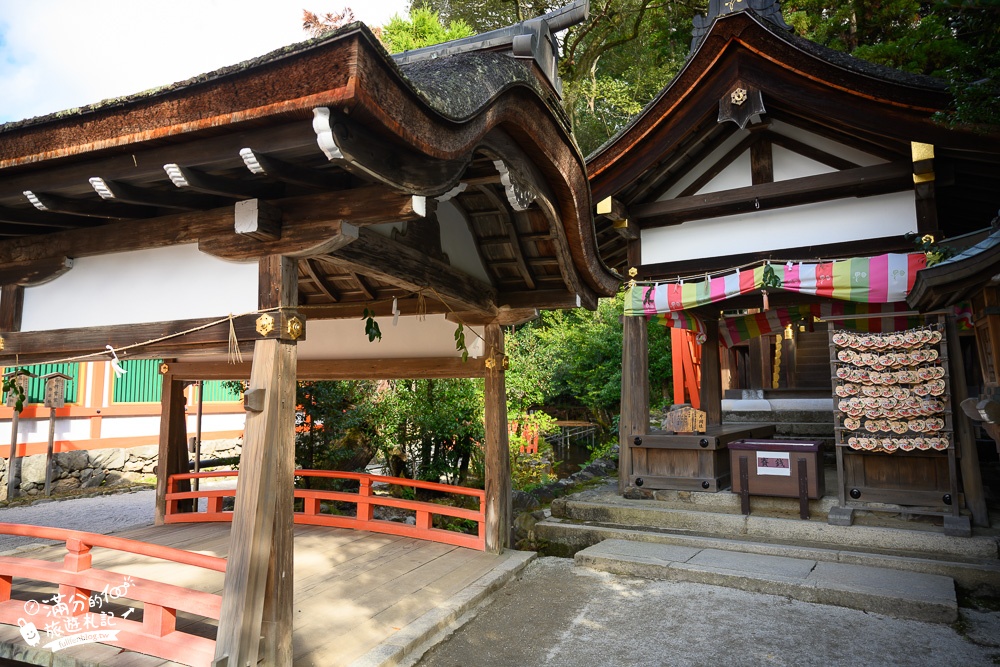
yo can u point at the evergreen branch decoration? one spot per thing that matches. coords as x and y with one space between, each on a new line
10 384
770 278
460 342
935 252
371 326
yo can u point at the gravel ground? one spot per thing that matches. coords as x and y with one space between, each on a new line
96 514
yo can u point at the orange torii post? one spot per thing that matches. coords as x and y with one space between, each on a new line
686 355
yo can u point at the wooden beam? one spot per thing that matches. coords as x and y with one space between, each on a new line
815 154
30 217
85 340
498 480
11 307
305 219
863 181
118 191
507 317
256 219
379 257
342 369
38 272
716 168
322 284
507 222
172 456
200 181
261 163
84 207
761 161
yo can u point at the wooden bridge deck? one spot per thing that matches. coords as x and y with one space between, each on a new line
353 590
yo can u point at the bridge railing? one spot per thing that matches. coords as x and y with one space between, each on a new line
314 513
83 609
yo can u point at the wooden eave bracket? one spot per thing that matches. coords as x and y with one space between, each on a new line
616 211
37 272
257 219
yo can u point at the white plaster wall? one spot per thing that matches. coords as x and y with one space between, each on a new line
736 175
456 240
346 339
37 430
828 145
458 244
707 161
811 224
172 283
209 423
125 427
792 165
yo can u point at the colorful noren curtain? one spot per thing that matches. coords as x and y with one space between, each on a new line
738 329
882 279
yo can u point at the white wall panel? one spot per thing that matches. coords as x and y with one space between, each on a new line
796 226
346 339
160 284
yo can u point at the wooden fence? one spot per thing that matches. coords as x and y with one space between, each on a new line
313 512
80 611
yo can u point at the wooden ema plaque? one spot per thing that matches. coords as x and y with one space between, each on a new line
22 382
55 393
686 420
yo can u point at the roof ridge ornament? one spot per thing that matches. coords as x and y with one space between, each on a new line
533 39
769 10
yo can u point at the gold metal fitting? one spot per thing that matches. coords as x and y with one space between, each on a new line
505 362
1 343
491 363
633 272
294 328
164 369
738 96
265 324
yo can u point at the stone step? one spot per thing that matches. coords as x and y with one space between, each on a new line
566 538
923 597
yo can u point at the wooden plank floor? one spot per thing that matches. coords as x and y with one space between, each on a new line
353 589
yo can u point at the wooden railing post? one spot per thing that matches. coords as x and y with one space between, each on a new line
78 558
365 510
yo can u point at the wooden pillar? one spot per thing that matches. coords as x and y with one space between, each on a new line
172 457
760 362
498 484
11 307
257 594
635 392
711 374
965 441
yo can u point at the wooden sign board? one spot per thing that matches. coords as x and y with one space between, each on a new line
686 420
55 392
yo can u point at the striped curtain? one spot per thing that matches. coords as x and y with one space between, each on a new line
882 279
738 329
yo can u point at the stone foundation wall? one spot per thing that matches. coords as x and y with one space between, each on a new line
100 467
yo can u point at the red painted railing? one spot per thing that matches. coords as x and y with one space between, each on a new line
81 609
364 500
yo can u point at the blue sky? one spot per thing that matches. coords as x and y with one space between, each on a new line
60 54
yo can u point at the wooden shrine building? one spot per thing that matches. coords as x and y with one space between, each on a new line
734 199
270 208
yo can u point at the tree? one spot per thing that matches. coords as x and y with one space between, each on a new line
316 25
423 28
957 40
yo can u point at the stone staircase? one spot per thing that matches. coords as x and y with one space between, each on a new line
878 564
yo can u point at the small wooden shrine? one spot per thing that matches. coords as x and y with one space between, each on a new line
274 208
771 184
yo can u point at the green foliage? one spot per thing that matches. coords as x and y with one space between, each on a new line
572 359
10 384
460 342
769 277
529 470
957 40
424 28
371 326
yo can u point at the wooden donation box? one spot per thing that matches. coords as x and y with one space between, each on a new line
787 468
687 460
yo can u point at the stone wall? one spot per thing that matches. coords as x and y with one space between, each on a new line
100 467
